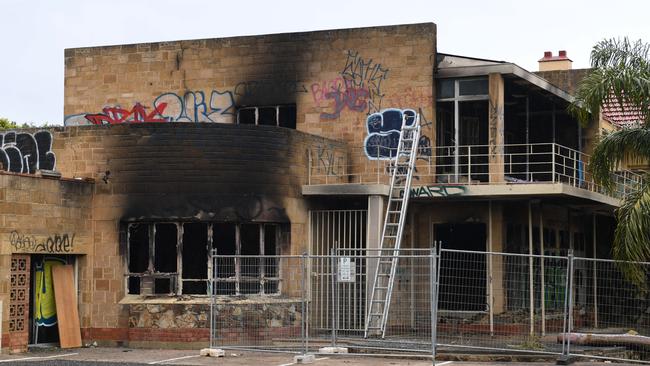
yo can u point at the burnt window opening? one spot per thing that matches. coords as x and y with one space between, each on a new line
138 260
278 115
246 273
174 258
195 250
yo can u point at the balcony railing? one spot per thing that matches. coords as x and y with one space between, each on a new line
473 165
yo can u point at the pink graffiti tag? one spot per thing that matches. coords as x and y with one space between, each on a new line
321 88
115 115
356 99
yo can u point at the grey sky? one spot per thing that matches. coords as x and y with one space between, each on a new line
35 33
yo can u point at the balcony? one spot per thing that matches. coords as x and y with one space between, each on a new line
515 165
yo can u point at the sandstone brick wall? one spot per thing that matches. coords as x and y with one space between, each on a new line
172 171
566 80
335 78
178 171
41 216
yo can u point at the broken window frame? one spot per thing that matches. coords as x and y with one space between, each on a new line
278 107
148 278
240 278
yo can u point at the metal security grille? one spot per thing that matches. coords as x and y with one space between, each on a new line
332 230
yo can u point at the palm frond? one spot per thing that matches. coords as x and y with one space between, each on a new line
629 145
632 235
620 75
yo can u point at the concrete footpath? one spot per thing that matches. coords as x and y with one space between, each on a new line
126 356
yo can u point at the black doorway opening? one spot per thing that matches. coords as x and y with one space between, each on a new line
463 276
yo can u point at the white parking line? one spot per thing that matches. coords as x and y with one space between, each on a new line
37 358
315 359
173 359
444 363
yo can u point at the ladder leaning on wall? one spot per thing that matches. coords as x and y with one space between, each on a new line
402 167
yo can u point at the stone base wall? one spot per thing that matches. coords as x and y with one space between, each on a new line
156 325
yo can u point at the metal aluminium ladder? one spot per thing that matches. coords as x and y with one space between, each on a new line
391 239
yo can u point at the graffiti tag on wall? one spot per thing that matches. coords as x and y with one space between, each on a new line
114 115
193 106
22 152
383 134
326 160
359 90
63 243
437 191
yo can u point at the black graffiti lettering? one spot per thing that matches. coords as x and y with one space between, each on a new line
364 74
63 243
26 152
328 161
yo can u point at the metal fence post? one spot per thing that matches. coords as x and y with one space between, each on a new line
333 295
212 300
568 306
433 283
305 315
569 293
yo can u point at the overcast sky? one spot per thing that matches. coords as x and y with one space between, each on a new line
34 33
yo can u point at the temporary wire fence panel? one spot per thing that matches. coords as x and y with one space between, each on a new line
457 300
259 302
609 311
409 315
500 301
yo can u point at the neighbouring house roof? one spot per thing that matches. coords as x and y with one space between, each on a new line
621 114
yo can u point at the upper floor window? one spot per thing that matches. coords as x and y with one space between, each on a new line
278 115
174 258
450 89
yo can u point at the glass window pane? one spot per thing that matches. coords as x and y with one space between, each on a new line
473 87
445 88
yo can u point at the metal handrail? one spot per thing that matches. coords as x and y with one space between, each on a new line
477 164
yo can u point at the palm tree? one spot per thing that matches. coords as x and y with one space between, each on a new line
621 77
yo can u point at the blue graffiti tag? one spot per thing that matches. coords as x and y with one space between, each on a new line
383 134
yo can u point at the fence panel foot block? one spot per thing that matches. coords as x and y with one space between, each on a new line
306 358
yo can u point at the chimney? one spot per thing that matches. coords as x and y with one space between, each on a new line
553 63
